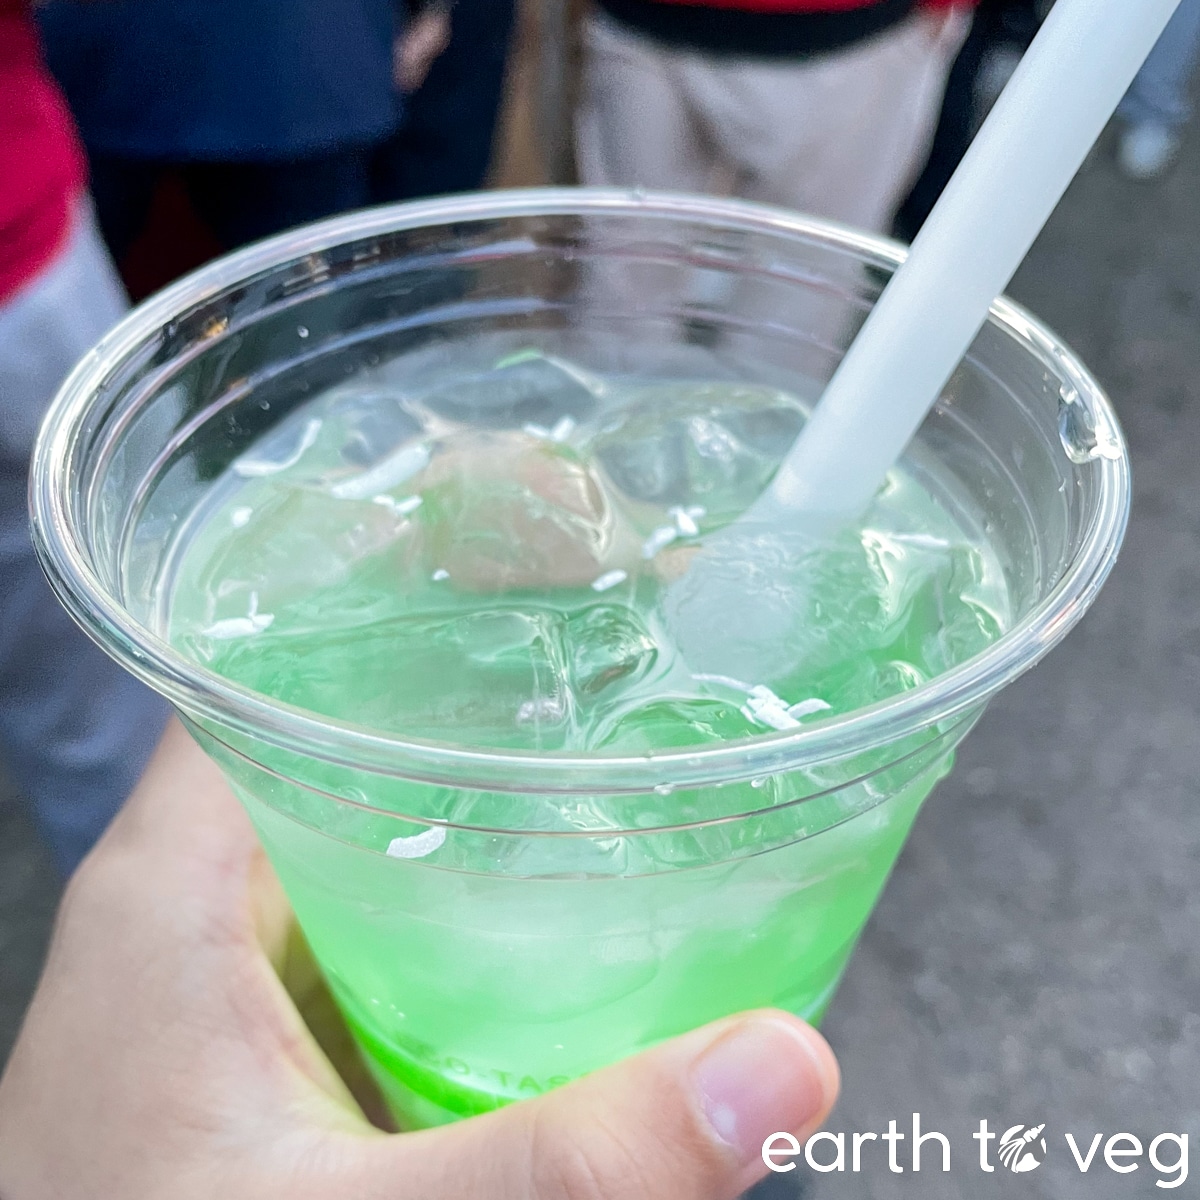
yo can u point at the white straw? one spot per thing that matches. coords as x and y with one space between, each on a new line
1029 149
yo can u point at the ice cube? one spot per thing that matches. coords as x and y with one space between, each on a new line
607 645
525 389
774 568
293 543
505 510
279 451
369 424
493 677
698 449
672 721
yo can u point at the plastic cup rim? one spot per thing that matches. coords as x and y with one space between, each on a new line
204 696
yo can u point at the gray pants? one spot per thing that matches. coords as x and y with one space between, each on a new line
1159 94
75 729
840 136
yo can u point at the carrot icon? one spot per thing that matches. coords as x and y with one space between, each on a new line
1017 1148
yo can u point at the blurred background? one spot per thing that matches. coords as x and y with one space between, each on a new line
1033 958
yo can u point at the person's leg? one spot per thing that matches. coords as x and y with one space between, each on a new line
1159 94
634 127
956 124
75 728
122 189
841 136
445 142
243 202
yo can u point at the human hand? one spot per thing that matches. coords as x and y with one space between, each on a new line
425 37
946 25
163 1057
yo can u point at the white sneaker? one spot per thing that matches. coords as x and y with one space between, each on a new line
1146 151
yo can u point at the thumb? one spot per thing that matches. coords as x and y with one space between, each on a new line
685 1120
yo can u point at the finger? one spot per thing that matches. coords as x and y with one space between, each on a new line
685 1121
182 860
182 855
182 811
422 42
184 836
302 979
180 887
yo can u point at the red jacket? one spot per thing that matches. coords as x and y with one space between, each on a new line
41 163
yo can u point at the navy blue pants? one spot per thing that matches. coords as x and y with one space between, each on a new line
239 202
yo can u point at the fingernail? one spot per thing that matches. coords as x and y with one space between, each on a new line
763 1077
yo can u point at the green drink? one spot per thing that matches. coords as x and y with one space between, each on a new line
378 561
399 512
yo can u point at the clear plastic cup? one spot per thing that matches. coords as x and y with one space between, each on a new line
499 957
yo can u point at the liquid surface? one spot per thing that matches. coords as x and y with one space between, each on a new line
504 561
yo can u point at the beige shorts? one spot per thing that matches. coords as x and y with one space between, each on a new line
839 136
